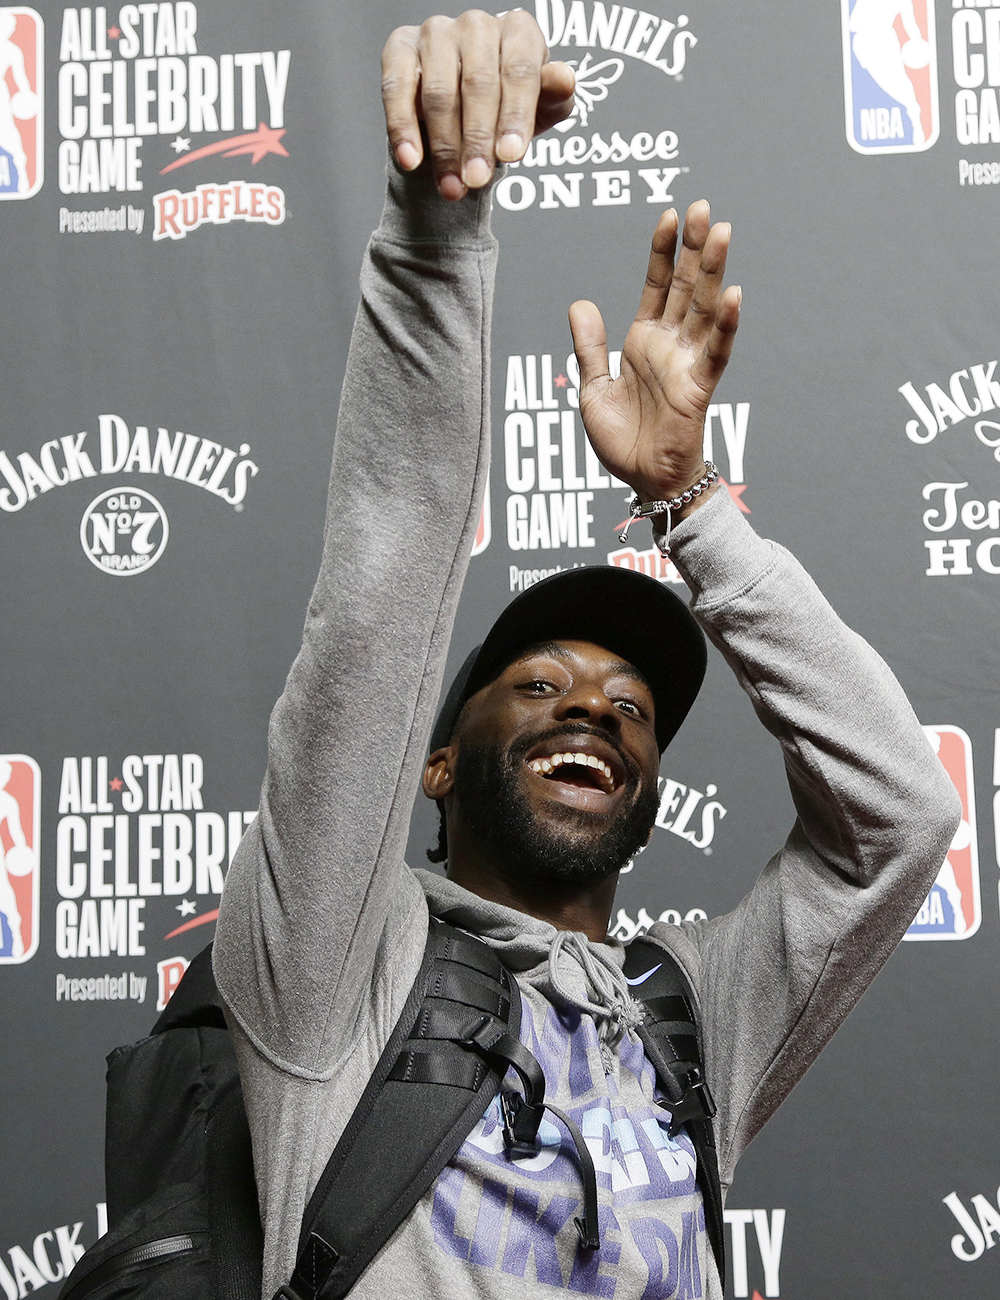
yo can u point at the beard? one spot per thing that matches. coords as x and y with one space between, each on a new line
568 846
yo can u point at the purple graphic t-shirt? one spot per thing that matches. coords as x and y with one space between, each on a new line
516 1217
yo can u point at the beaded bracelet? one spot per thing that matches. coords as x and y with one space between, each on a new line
638 510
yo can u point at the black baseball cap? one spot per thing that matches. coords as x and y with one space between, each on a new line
622 611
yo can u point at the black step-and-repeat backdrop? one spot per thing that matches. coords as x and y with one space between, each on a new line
185 192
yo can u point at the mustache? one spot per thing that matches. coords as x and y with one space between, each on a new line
521 747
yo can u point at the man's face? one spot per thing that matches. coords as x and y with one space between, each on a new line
557 761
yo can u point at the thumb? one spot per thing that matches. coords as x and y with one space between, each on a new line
555 99
590 341
558 80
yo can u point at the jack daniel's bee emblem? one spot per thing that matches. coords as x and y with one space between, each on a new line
592 82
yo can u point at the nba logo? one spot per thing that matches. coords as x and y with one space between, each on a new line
483 530
20 807
952 910
890 75
21 102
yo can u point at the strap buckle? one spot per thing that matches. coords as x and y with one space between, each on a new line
520 1125
521 1117
312 1268
696 1103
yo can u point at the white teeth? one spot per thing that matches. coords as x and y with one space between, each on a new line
545 765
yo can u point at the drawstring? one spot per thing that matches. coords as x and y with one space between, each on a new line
520 1136
614 1009
522 1115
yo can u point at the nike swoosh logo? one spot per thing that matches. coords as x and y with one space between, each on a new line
641 979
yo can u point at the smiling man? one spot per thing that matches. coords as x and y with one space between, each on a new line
550 780
545 753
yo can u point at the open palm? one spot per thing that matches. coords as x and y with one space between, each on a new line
647 426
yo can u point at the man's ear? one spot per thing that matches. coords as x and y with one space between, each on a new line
439 773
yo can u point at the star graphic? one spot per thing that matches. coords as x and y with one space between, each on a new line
188 907
736 491
265 143
114 32
116 783
256 144
560 381
180 145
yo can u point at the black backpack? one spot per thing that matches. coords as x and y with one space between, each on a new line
183 1217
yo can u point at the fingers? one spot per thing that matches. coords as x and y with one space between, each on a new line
482 87
694 291
660 271
590 341
522 56
479 51
400 79
687 299
704 303
685 276
440 102
711 362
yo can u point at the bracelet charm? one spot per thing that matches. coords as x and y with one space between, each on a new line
655 509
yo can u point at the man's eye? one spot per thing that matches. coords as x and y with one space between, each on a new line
626 706
539 686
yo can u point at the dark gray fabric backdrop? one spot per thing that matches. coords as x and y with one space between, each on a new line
185 192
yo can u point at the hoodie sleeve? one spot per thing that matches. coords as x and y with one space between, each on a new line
319 881
875 817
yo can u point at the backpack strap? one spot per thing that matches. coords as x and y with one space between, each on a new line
443 1064
196 1000
177 1135
233 1211
231 1190
671 1034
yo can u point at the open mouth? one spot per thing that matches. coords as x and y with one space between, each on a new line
581 769
585 771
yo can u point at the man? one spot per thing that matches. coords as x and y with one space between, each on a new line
323 925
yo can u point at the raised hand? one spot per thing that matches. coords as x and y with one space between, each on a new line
482 86
647 426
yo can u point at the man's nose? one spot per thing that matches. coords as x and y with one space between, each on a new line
588 700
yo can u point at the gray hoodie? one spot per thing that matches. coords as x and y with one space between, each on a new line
322 924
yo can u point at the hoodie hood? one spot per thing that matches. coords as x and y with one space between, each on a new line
564 966
521 941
